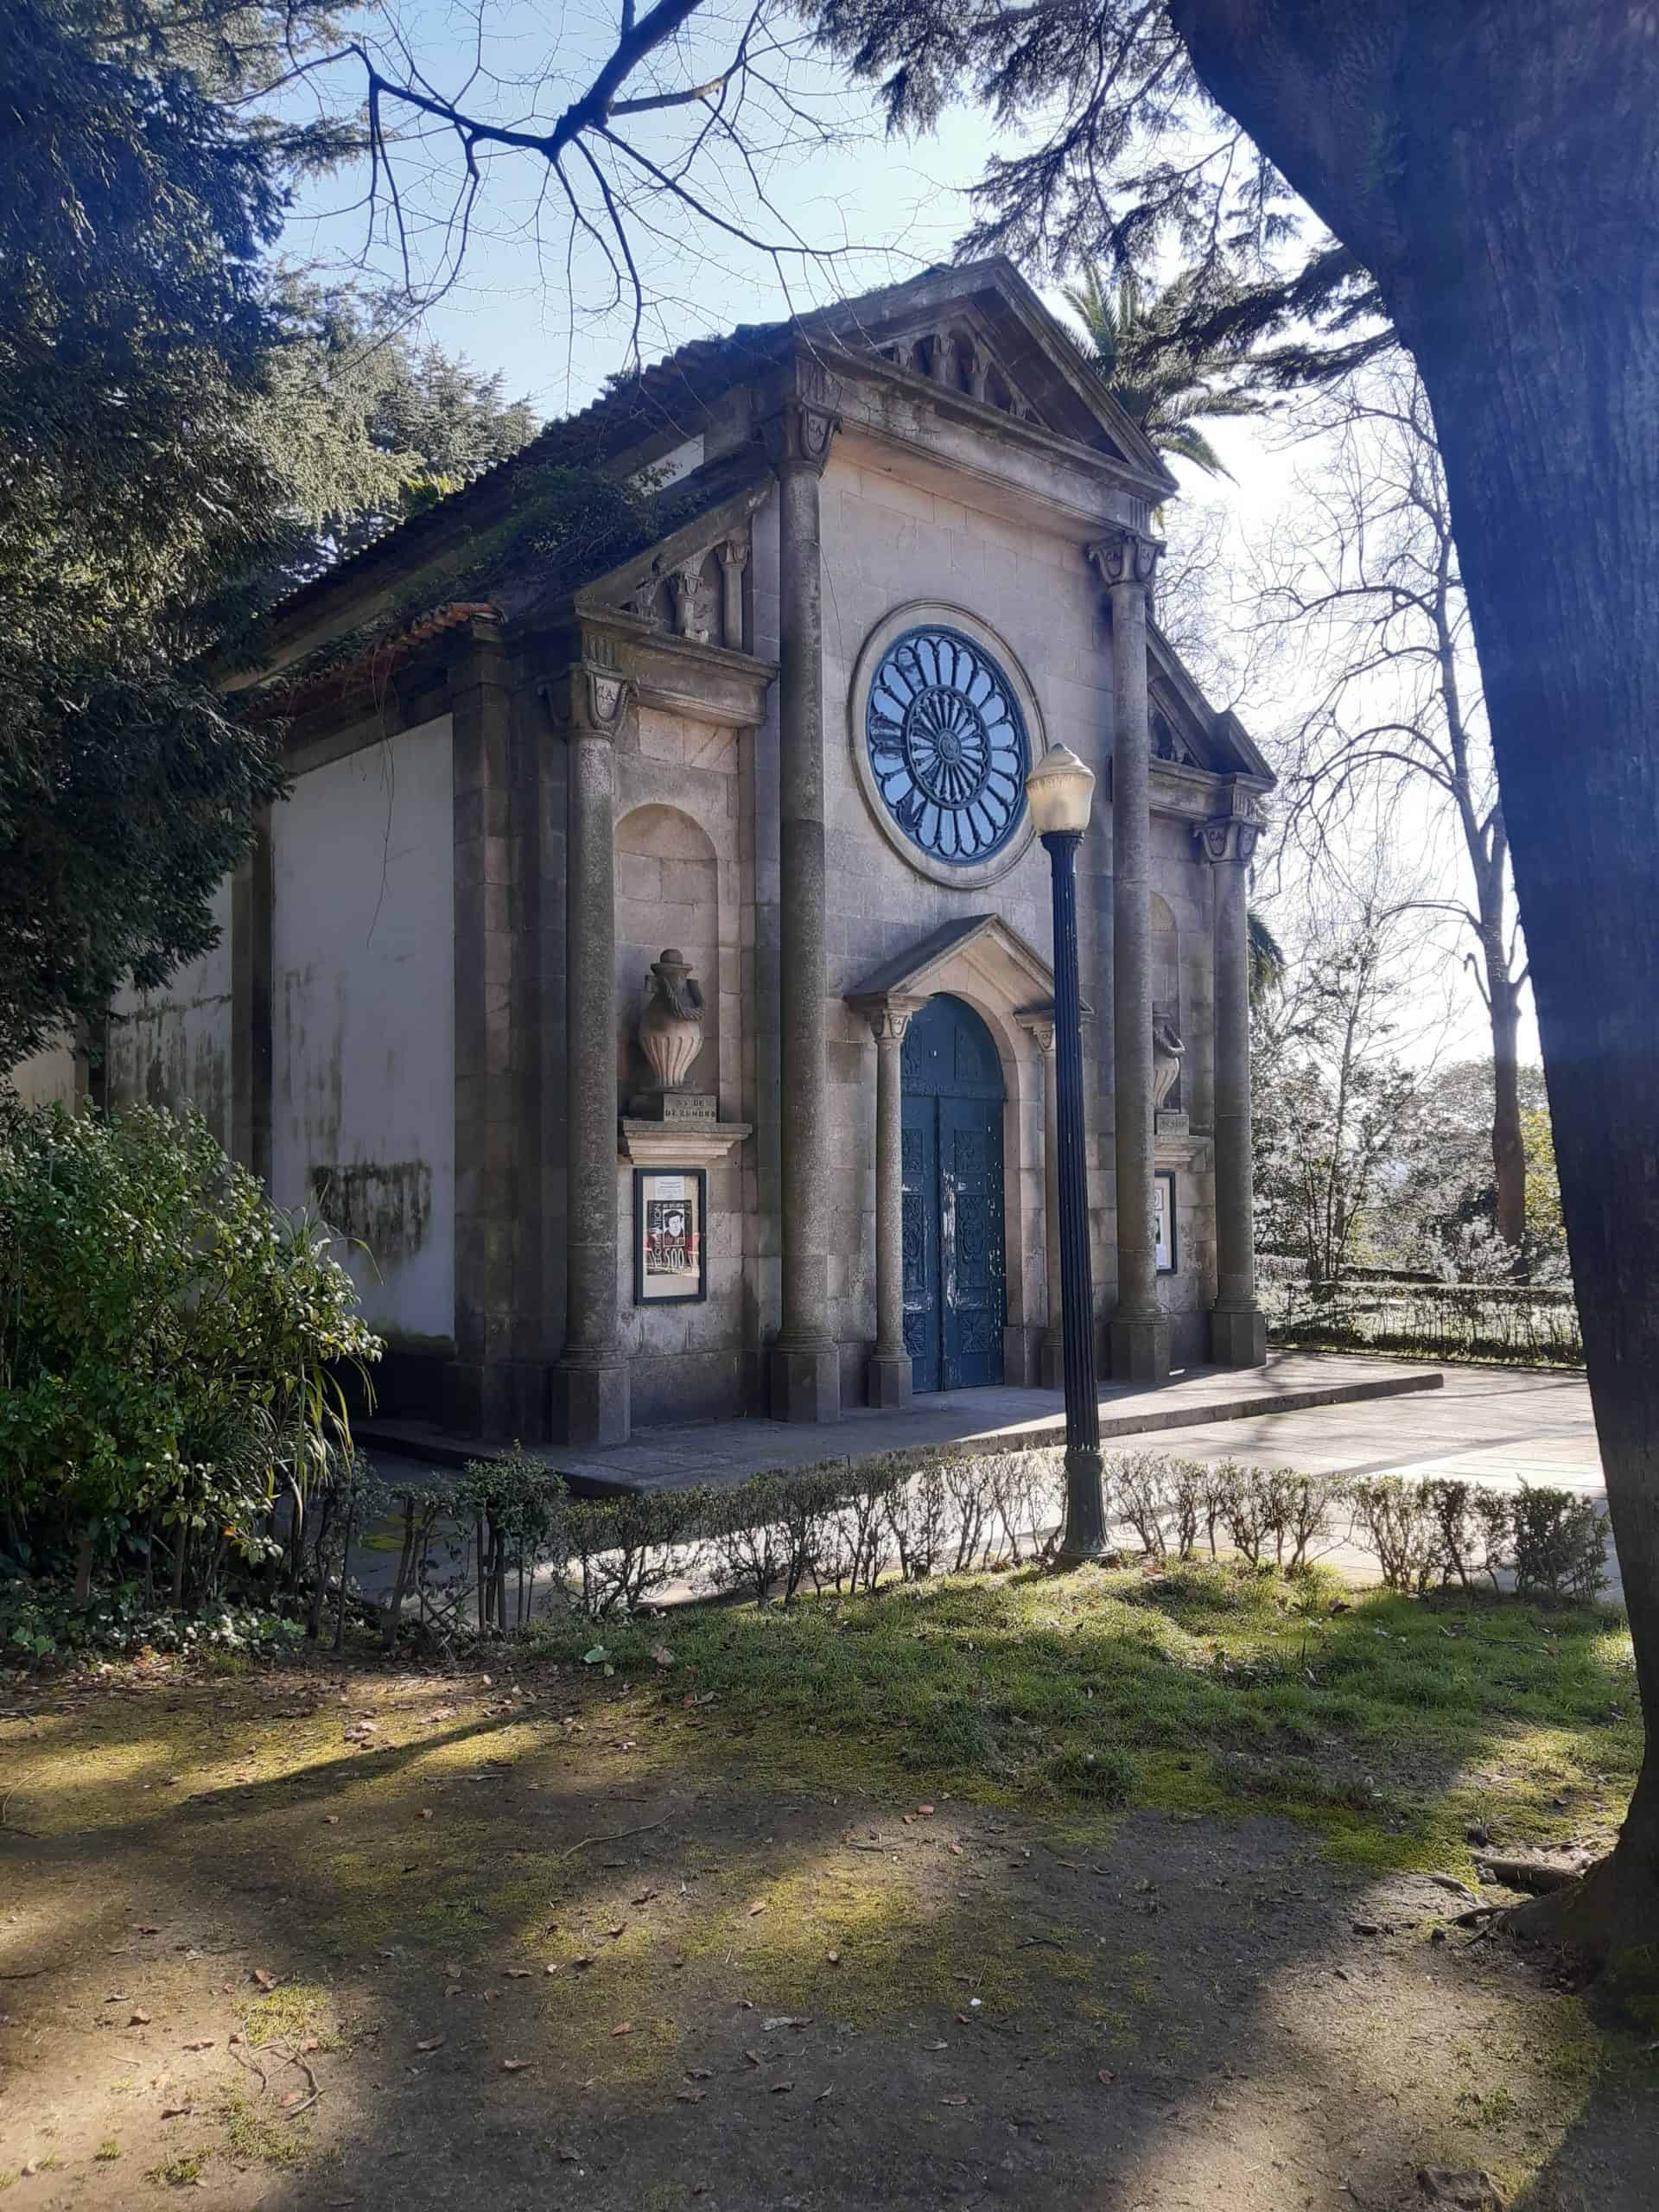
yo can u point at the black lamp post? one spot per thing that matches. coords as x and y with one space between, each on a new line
1060 788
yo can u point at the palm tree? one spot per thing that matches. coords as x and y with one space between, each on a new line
1267 961
1134 344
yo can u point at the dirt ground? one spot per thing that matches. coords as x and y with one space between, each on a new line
335 1937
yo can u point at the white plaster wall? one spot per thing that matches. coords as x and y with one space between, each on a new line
363 1018
172 1046
47 1078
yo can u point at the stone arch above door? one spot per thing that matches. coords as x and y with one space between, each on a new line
1004 980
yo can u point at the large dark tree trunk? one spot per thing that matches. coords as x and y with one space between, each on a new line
1509 1148
1496 167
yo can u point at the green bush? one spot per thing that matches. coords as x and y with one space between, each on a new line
169 1348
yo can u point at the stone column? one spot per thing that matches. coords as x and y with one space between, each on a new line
805 1366
1140 1333
1238 1333
733 556
590 1382
1052 1355
891 1373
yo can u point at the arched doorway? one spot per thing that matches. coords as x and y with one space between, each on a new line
955 1274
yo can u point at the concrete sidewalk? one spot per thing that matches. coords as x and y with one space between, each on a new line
721 1453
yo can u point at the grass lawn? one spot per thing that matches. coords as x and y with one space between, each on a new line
1393 1725
1101 1890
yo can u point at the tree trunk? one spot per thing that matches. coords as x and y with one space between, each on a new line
1509 1149
1496 168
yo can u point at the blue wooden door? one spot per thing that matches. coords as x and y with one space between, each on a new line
955 1278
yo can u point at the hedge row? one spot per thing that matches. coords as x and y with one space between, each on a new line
476 1548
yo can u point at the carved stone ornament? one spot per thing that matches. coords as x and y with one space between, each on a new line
1127 556
799 436
671 1029
693 602
1230 836
600 697
734 553
1168 1052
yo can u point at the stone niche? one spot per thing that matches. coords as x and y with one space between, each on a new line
666 894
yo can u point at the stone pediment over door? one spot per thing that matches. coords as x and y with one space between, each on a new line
978 958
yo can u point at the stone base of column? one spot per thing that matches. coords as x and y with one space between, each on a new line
890 1382
590 1403
1140 1349
1051 1362
805 1382
1238 1338
496 1397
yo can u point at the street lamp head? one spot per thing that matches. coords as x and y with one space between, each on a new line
1060 788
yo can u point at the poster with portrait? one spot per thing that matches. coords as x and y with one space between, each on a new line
670 1259
1163 1219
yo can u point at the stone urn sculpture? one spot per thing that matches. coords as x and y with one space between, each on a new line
671 1029
1168 1052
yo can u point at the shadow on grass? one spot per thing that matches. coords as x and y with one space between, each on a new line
778 1980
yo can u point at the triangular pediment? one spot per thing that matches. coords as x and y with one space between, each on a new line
1014 975
1186 731
981 333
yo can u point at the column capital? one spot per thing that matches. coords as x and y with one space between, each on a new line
1229 838
733 552
600 697
889 1016
1123 555
799 436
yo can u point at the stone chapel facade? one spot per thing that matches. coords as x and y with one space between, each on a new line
651 968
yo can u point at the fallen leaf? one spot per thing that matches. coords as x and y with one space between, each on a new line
206 2045
785 2020
781 2089
754 2057
623 2028
699 2074
331 1820
295 2097
550 1969
662 1655
426 1812
139 2019
582 1964
924 1808
149 1931
518 1973
264 1977
953 2101
832 1958
753 1908
689 2097
452 1971
821 2094
514 2065
432 2042
175 2111
620 1928
644 1898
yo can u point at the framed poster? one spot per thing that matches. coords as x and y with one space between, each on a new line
671 1259
1163 1219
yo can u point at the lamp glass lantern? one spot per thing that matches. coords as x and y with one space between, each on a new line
1061 790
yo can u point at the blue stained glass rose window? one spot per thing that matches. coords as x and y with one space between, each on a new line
947 744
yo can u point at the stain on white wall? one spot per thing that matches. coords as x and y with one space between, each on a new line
363 1020
172 1046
